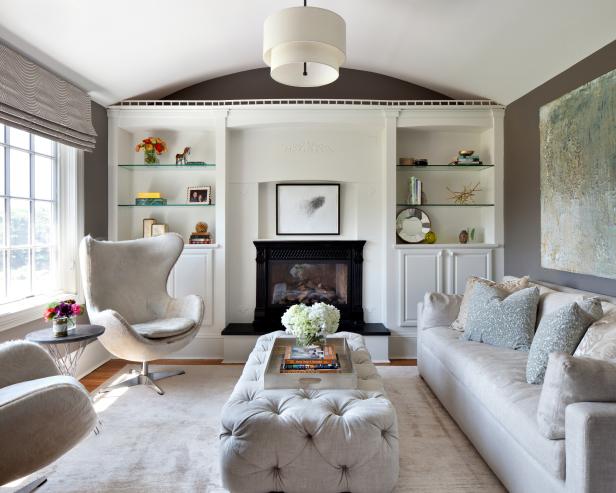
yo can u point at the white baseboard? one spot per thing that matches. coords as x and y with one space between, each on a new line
403 346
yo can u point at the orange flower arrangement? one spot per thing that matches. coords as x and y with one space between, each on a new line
151 146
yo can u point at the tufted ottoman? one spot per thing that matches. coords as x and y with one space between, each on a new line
309 441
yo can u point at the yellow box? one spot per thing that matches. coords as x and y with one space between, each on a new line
149 195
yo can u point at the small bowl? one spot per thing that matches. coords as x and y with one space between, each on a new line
466 152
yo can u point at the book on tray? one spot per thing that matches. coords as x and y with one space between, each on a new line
309 360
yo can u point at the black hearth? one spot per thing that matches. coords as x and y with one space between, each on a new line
290 272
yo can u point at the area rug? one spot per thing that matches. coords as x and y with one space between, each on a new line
152 443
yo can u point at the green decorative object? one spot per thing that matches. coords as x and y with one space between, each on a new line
430 237
150 201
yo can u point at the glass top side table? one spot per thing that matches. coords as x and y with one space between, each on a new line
66 350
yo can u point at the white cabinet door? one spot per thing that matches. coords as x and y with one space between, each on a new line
464 263
193 274
420 271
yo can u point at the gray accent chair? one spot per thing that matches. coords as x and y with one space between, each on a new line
125 285
42 414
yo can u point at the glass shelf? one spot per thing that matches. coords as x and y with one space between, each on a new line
444 205
168 205
183 167
446 167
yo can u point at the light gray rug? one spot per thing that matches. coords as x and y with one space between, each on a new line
150 443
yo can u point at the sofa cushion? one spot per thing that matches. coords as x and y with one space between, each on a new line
496 377
560 331
600 339
499 319
164 327
508 285
569 380
440 309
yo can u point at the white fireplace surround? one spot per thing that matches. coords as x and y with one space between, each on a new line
258 145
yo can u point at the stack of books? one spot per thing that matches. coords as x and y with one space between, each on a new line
468 160
309 360
150 198
200 238
414 197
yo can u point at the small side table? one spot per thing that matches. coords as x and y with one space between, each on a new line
66 350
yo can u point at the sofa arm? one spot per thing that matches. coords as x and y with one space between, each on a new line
40 420
22 360
591 447
438 310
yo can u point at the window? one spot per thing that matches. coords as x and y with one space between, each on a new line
28 214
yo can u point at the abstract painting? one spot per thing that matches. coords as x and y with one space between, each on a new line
307 209
578 180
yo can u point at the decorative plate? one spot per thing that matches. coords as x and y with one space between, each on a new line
412 224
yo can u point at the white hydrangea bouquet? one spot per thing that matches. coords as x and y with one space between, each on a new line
311 324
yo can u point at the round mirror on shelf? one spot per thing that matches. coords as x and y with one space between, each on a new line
412 224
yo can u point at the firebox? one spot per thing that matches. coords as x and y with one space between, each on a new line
291 272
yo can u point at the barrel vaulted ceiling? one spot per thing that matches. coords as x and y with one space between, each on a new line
496 49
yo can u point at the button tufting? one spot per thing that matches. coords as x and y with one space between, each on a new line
308 436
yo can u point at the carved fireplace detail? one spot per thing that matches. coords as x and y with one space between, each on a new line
290 272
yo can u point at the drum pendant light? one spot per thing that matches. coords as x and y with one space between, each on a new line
304 46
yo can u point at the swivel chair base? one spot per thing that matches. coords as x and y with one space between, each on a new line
144 377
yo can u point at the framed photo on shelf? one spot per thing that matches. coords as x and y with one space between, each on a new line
307 208
202 195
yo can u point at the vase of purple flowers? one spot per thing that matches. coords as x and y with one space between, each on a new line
62 315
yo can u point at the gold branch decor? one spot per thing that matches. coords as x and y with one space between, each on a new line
466 195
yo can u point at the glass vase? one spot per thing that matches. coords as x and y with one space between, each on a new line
60 327
150 157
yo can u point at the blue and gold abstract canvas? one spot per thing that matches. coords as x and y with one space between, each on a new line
578 180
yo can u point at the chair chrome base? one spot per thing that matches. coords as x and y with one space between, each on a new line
144 377
32 485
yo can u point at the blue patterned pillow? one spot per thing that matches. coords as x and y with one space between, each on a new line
560 331
502 319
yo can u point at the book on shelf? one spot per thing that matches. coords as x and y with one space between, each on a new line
415 189
158 201
149 195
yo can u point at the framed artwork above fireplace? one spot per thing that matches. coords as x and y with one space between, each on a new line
308 209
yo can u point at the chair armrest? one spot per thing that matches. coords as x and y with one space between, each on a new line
22 360
190 306
590 447
438 310
40 420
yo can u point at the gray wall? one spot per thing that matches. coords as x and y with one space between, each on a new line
352 84
95 179
522 194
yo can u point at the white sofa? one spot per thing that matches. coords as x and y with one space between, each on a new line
484 389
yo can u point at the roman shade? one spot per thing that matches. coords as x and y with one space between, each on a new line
34 99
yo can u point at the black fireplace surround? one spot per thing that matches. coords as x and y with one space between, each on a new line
290 272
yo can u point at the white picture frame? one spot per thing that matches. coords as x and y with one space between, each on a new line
307 209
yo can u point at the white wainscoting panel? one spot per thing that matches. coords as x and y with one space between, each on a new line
420 271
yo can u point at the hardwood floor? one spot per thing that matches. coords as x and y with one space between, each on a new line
107 370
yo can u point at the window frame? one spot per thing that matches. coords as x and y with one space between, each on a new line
69 217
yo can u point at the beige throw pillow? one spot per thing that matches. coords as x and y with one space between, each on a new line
569 380
600 339
510 286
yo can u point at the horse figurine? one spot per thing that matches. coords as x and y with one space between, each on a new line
182 157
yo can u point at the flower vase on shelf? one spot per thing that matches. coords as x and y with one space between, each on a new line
149 157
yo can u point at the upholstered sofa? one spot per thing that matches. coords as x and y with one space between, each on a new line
484 389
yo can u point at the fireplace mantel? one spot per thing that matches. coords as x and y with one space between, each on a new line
345 256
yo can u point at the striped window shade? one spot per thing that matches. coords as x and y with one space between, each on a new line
34 99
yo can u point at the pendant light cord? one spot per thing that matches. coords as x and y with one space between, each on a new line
305 72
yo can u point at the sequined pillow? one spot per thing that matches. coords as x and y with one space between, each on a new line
509 286
560 331
502 319
600 339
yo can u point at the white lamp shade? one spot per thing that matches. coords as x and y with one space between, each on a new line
299 35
